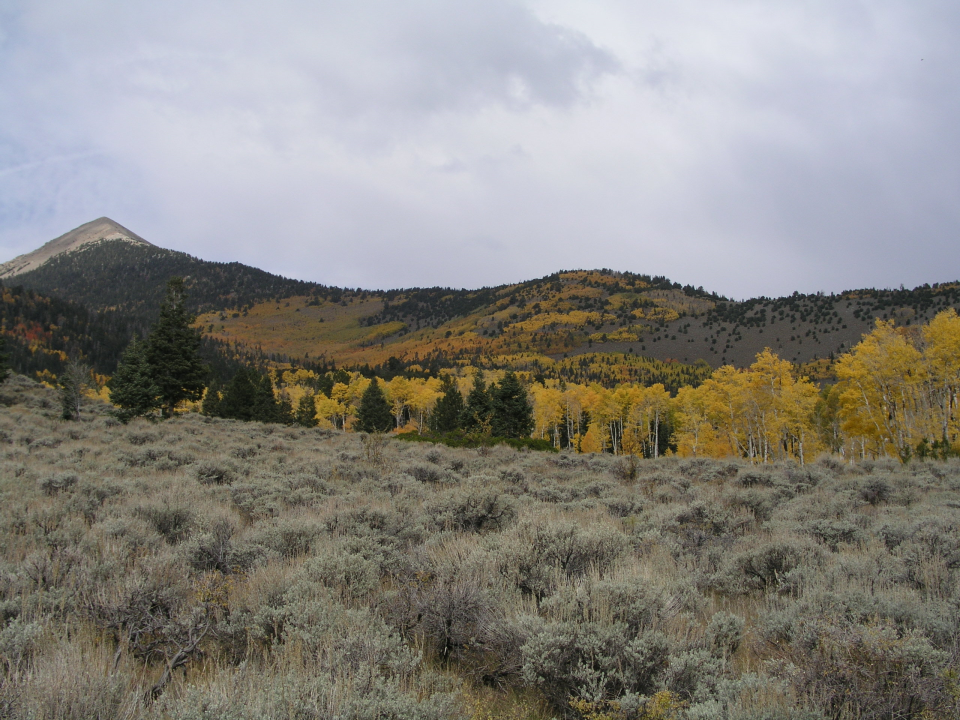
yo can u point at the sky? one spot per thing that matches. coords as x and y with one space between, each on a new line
749 147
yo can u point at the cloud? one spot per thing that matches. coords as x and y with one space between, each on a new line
744 146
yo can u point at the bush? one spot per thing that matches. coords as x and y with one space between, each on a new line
19 641
834 532
593 660
473 510
58 483
172 522
875 490
216 550
536 554
337 567
767 565
211 473
866 671
460 439
724 634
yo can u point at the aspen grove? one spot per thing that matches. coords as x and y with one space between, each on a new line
896 395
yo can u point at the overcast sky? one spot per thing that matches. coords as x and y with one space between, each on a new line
751 147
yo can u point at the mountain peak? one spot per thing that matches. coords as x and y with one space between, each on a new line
99 230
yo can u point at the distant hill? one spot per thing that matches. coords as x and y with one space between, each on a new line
585 325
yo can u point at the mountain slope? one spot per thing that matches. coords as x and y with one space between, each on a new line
590 324
131 278
571 318
97 231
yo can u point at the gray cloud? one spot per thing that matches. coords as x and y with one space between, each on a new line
748 147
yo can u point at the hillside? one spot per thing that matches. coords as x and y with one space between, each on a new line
130 277
42 332
588 325
95 232
571 319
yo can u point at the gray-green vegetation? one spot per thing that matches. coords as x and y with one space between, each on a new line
212 568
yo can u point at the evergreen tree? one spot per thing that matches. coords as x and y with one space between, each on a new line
512 414
4 359
374 413
211 400
476 413
284 412
249 396
267 407
132 388
239 397
448 413
74 380
306 414
173 351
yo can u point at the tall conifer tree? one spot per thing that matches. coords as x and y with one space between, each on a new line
240 397
512 414
476 414
306 413
173 351
448 413
374 413
132 388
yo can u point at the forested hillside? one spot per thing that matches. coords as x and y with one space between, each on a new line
581 326
118 275
44 332
601 325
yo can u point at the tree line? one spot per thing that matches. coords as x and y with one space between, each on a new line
897 395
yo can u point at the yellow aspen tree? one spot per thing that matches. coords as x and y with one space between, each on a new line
399 392
574 398
330 412
547 411
769 381
880 379
696 434
422 401
798 408
597 402
594 439
724 396
618 403
941 356
656 408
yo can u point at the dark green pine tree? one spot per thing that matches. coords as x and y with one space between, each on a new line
477 411
240 396
448 413
211 400
306 414
374 413
267 407
4 359
249 396
173 351
512 414
132 388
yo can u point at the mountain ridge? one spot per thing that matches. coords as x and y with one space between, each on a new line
102 229
610 322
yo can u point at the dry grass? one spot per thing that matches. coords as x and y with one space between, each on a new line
202 568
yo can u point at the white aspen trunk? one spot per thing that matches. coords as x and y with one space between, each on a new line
656 433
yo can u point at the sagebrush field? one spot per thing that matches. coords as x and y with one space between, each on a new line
216 569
